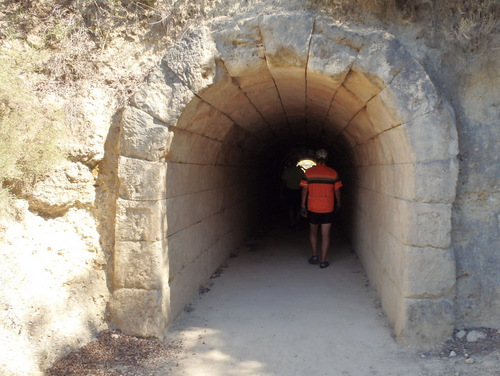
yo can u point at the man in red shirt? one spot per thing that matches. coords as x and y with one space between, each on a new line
321 190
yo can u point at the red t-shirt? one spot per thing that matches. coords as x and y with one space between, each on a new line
321 182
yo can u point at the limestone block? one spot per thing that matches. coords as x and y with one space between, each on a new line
192 59
390 298
248 57
142 180
422 224
193 148
186 178
402 102
286 42
327 67
247 64
186 245
395 142
138 312
361 86
405 182
185 284
286 39
162 96
430 273
228 98
360 129
433 135
426 182
201 118
372 152
140 265
381 58
240 138
344 107
381 118
379 178
438 181
142 136
141 220
425 321
183 211
352 36
231 155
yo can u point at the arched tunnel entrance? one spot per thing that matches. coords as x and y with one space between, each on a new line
195 146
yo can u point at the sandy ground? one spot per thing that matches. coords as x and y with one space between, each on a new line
271 313
268 312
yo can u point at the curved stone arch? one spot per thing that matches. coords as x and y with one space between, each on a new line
222 96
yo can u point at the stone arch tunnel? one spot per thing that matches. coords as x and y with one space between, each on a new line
198 136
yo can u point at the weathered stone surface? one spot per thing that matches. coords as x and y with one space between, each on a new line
68 185
327 67
403 102
186 178
141 220
381 58
430 273
201 118
229 99
183 211
433 136
441 178
362 87
429 225
186 245
247 64
142 180
163 96
344 107
193 148
138 312
360 129
286 41
192 59
142 136
140 265
426 321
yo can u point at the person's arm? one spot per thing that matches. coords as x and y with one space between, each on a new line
338 200
303 209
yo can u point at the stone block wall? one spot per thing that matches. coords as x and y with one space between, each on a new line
191 141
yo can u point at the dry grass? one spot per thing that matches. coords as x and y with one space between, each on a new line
471 26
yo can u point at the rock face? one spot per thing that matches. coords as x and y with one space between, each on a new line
157 194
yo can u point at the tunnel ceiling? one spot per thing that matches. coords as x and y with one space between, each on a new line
265 85
276 84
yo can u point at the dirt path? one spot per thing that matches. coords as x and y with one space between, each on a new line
270 313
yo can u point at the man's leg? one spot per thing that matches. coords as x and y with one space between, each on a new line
313 238
325 239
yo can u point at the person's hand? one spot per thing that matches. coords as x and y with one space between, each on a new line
303 211
338 206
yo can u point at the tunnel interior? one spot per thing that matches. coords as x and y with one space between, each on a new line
203 140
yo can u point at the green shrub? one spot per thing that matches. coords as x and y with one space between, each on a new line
29 129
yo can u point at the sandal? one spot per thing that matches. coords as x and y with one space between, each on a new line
313 259
324 264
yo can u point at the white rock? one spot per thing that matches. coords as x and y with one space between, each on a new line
469 361
475 336
452 354
461 334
